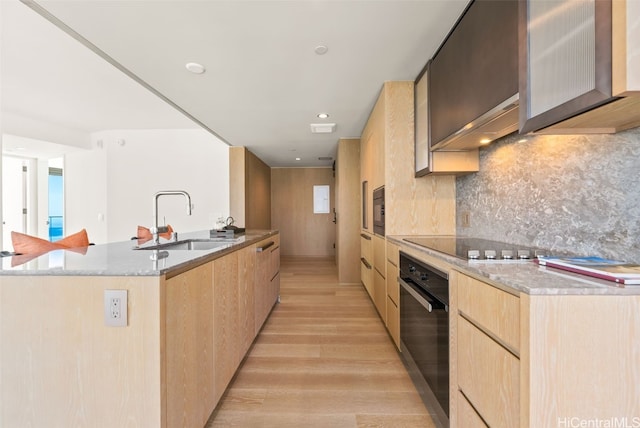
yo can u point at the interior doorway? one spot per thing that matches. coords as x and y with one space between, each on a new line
33 197
303 232
15 184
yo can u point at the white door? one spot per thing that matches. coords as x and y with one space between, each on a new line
14 198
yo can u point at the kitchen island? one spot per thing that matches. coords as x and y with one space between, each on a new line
191 316
532 346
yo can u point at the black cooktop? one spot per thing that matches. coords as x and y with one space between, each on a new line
477 249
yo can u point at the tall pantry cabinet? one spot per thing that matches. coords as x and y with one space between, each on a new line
413 206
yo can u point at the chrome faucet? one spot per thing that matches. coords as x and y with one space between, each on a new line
157 230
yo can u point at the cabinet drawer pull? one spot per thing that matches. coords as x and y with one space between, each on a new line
367 237
264 247
365 263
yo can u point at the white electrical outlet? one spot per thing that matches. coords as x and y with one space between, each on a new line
115 308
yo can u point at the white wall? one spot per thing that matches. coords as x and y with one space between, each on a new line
109 190
85 191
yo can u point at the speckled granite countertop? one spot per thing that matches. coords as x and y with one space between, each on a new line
121 259
524 276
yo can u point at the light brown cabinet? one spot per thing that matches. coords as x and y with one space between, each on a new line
372 166
413 205
393 264
424 205
487 319
250 189
366 262
209 328
212 313
186 335
537 360
379 276
246 286
226 314
380 294
348 205
191 395
467 416
267 283
366 170
393 294
247 274
488 375
495 311
380 254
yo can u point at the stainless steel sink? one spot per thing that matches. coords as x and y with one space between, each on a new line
188 245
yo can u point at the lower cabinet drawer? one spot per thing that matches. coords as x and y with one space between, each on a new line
489 376
366 275
467 416
495 310
393 321
380 294
366 247
380 254
393 288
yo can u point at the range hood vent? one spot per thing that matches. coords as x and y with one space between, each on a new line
496 123
322 128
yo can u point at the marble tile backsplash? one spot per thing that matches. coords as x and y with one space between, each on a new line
575 193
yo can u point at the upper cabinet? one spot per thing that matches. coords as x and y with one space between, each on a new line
473 89
412 206
441 162
577 57
626 50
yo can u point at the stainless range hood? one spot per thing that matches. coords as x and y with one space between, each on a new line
496 123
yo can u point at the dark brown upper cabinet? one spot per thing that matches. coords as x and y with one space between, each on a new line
473 90
575 68
427 161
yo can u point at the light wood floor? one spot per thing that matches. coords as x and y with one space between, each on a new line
323 359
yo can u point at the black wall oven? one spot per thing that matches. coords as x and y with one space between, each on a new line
378 211
424 332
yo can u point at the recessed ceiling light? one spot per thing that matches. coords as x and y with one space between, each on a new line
195 68
321 49
297 159
485 141
323 115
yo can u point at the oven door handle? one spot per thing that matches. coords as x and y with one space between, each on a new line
426 304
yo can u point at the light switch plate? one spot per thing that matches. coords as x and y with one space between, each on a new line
466 219
115 308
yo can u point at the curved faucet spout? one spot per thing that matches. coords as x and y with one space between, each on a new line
156 229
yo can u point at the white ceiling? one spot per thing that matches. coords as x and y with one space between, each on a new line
264 83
